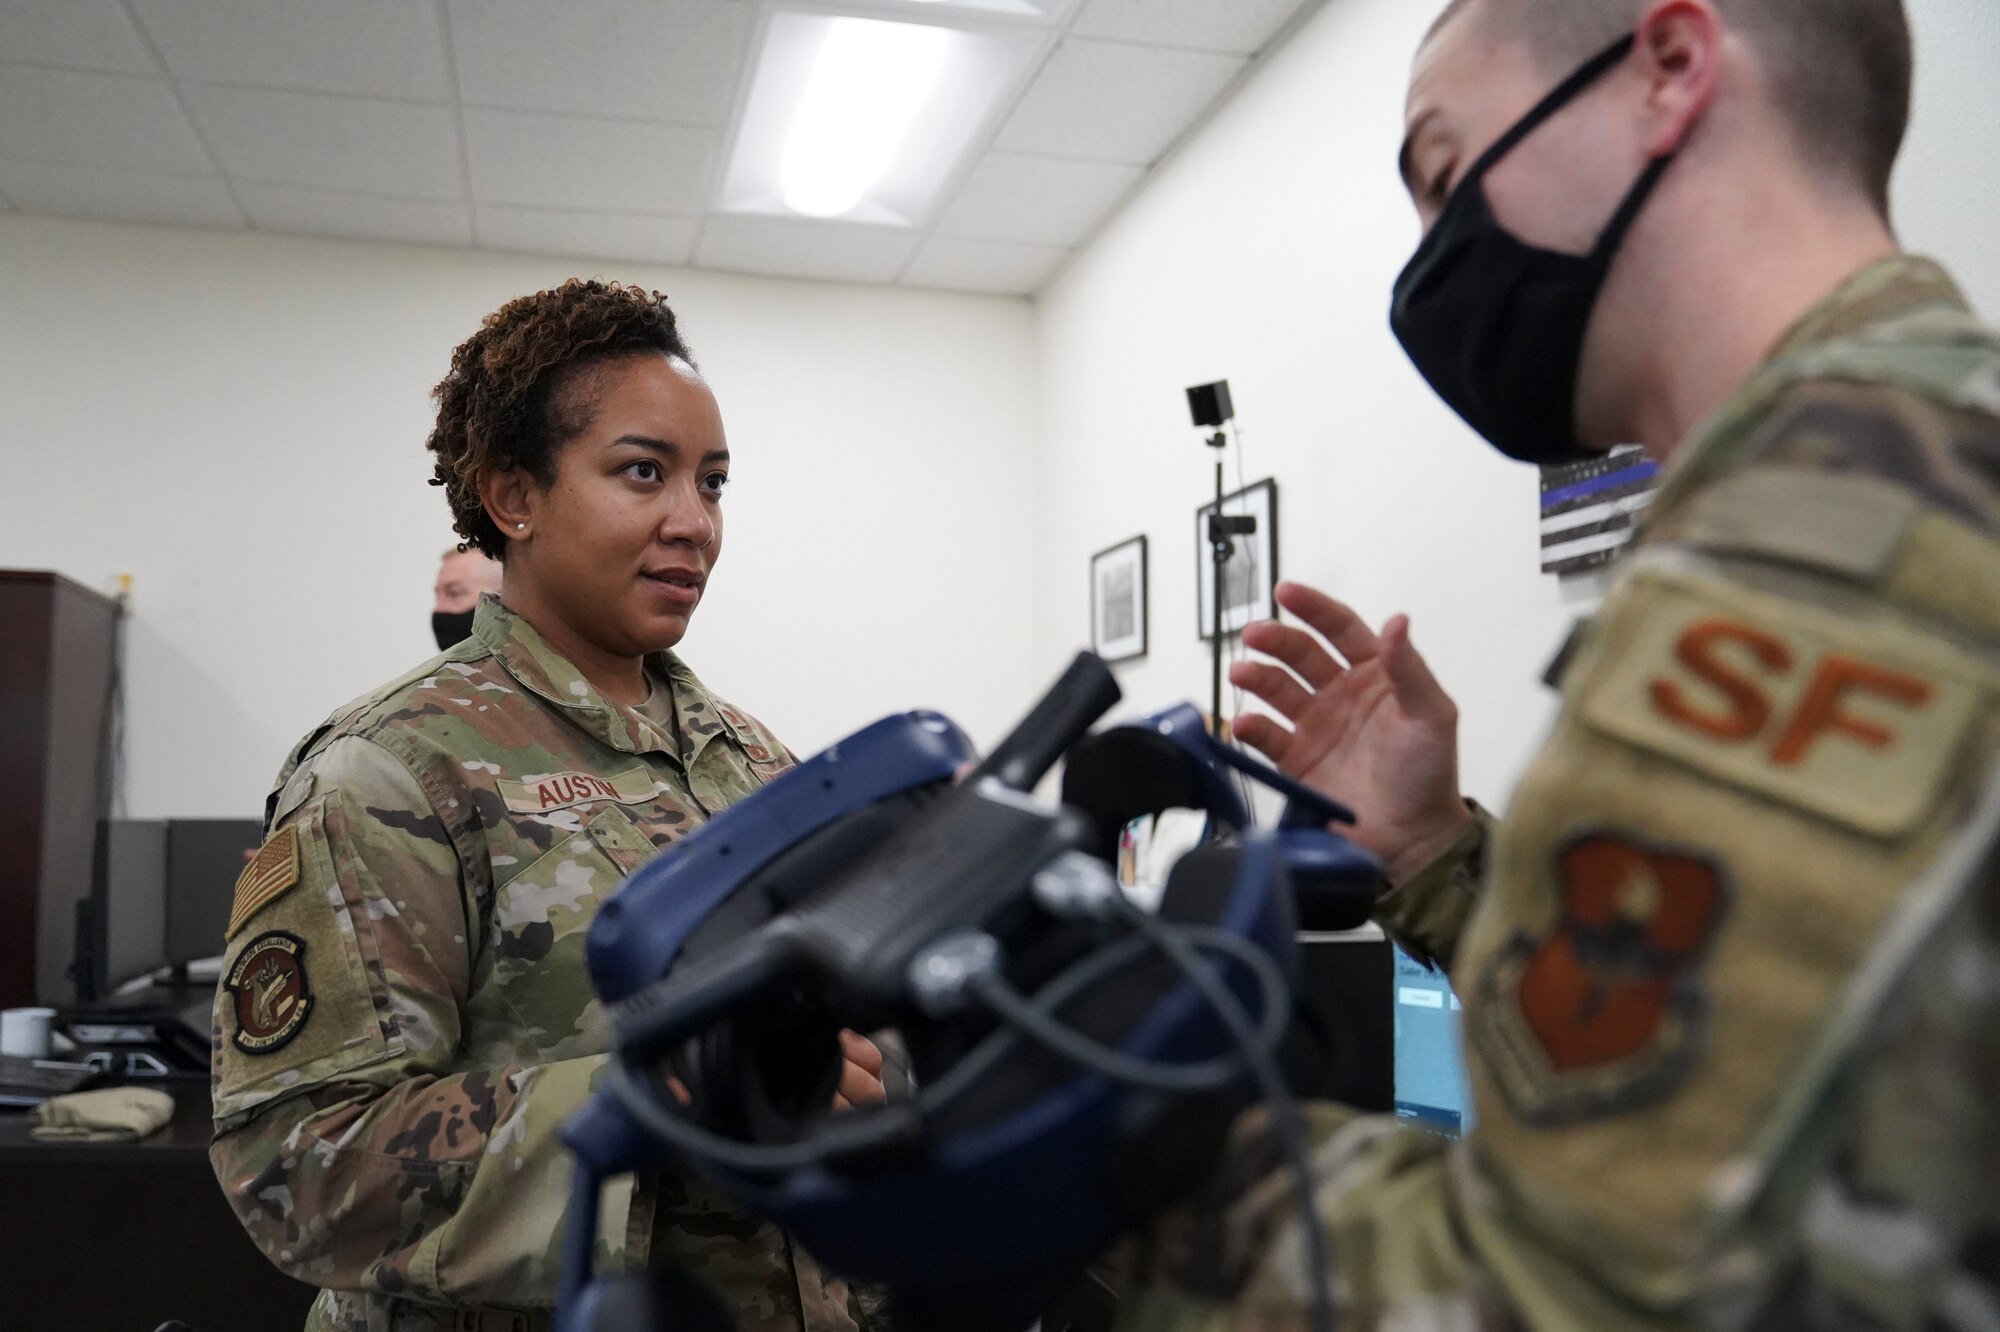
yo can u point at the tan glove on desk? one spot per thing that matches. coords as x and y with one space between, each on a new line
111 1114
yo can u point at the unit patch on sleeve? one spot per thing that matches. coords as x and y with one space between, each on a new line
1604 1011
1854 719
271 994
273 870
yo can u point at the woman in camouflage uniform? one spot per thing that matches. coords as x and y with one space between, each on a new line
404 1018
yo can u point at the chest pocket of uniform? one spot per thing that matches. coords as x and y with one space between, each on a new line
538 925
725 774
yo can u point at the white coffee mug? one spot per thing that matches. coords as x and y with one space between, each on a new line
24 1032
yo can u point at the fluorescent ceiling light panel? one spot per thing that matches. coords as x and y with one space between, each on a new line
867 120
868 84
1038 11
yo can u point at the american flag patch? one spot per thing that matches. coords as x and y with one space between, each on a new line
274 869
1589 508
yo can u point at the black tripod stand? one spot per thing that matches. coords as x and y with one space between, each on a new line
1223 529
1211 408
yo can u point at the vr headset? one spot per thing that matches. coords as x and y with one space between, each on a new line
1077 1060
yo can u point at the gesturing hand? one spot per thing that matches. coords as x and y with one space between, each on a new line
1370 727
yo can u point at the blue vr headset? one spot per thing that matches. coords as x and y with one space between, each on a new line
1076 1066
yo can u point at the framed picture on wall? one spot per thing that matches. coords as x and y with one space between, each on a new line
1118 601
1250 579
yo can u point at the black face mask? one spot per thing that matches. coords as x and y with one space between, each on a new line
1497 325
451 628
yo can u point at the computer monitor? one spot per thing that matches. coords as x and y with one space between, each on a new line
1430 1058
134 909
204 860
165 896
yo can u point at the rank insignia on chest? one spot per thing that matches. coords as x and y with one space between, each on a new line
271 995
1604 1011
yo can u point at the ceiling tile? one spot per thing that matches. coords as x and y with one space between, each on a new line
317 213
119 196
331 143
835 251
100 120
634 237
378 48
1036 200
563 162
651 59
1006 270
1111 102
1241 27
87 34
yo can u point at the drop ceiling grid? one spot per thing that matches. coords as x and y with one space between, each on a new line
487 125
441 15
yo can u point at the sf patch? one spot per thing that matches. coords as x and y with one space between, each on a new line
272 996
1605 1011
1849 717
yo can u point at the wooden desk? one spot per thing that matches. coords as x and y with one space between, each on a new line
121 1237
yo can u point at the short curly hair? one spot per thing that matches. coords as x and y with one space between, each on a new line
509 400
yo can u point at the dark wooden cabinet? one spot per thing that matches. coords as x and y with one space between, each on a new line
58 643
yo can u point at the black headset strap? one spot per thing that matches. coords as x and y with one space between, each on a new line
1565 92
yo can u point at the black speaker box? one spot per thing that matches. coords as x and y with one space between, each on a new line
1209 404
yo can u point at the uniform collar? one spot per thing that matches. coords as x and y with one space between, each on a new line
537 667
1893 288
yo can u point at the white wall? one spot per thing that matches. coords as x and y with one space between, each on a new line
1264 254
238 421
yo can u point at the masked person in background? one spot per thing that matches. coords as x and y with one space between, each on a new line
1730 966
404 1019
464 576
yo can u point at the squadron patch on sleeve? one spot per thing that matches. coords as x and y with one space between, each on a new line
1604 1011
273 870
272 997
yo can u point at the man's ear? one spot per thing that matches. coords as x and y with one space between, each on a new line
1682 44
509 496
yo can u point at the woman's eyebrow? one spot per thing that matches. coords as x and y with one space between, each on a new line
667 449
649 443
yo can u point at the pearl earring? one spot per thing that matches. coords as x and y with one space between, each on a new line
520 527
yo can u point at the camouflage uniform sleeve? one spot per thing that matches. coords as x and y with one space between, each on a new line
1730 988
1426 913
357 1149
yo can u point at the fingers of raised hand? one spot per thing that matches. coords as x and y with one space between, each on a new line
1306 655
1274 684
1335 621
1417 690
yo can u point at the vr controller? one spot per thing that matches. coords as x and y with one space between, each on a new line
1077 1060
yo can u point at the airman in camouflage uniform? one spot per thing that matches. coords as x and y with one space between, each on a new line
1731 965
405 1020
